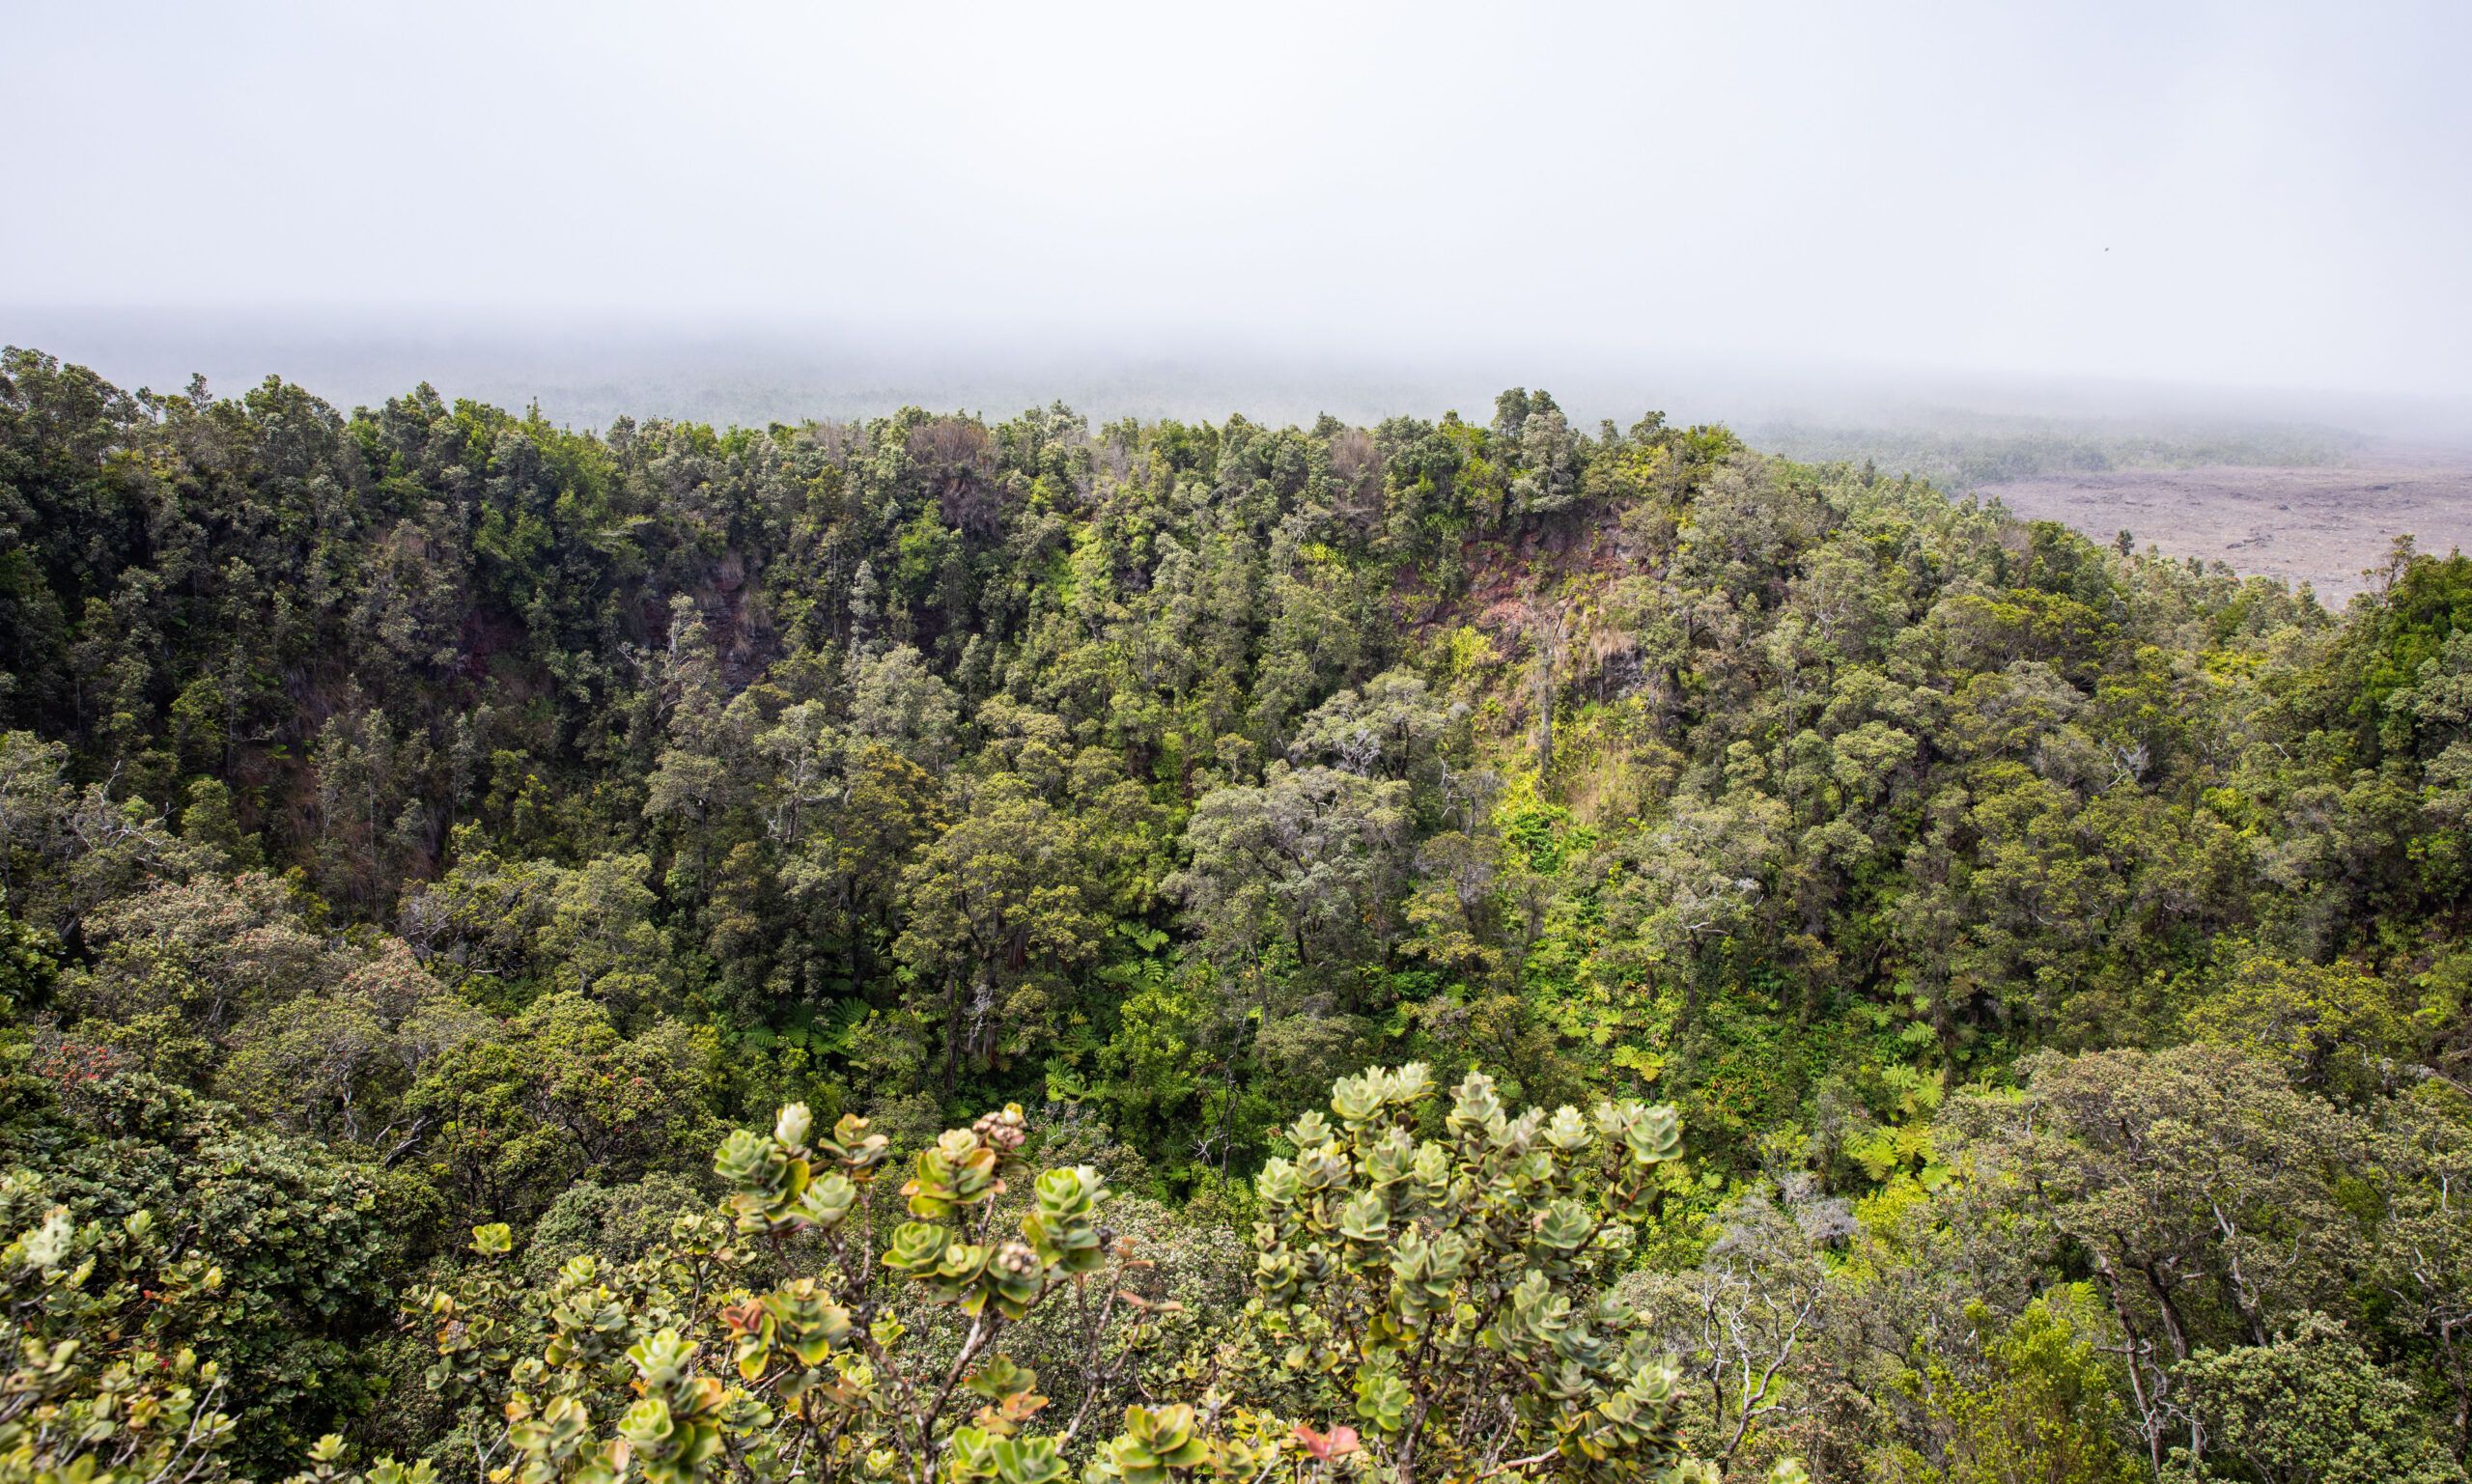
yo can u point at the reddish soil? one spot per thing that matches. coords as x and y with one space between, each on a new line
2320 525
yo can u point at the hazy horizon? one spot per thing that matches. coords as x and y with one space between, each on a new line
585 373
2251 211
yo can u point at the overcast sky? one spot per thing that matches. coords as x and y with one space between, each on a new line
2247 193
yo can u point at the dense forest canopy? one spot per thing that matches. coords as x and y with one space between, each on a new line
428 819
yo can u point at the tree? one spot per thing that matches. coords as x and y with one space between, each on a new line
1285 880
1687 882
848 846
2423 1262
2334 1028
1001 910
179 968
2046 1406
339 1065
514 928
65 850
175 1264
504 1123
896 700
1737 1320
1388 730
1309 859
702 771
2309 1406
2204 1191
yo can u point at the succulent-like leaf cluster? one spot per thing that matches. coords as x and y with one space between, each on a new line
1440 1295
773 1183
98 1389
819 1371
1445 1291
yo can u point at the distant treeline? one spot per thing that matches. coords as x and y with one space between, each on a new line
1975 451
